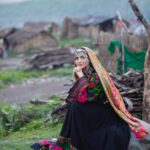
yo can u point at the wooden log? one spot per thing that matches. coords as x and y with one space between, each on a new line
50 59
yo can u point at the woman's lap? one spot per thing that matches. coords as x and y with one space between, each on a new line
95 126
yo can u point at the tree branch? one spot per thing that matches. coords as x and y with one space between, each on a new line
139 15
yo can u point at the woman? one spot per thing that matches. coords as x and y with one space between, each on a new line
96 118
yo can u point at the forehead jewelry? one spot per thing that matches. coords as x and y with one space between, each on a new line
80 51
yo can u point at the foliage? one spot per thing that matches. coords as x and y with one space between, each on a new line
77 42
27 117
35 123
24 139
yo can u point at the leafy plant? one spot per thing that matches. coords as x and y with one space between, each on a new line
27 117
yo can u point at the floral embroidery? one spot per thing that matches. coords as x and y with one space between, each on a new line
92 90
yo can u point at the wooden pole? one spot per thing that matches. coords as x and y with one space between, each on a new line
146 100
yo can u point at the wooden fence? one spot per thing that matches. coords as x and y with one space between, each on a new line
134 43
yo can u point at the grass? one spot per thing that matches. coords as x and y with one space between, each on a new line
77 42
60 72
40 125
18 75
39 128
13 54
24 139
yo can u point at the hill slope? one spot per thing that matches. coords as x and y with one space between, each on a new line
15 14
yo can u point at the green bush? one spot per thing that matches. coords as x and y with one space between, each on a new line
28 117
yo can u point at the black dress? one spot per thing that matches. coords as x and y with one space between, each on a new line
90 123
93 125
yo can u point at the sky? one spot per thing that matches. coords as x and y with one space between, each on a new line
11 1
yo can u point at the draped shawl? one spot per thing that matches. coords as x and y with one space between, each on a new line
114 97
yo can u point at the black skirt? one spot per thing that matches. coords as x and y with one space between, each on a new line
93 126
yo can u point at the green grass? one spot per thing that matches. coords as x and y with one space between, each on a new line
18 75
26 117
59 72
39 127
24 139
13 54
77 42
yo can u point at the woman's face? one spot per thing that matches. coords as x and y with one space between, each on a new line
81 60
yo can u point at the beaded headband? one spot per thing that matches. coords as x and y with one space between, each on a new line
79 51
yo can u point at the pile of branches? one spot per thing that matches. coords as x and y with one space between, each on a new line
50 58
130 85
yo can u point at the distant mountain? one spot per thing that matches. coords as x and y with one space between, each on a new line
15 14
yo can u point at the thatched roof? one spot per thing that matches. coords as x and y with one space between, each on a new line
36 26
6 32
22 35
95 20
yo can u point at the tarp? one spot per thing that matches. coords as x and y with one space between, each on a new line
134 60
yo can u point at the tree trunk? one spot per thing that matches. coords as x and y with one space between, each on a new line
146 100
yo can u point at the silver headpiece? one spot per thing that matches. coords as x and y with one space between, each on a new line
79 51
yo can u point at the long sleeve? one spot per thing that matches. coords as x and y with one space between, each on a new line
91 90
73 92
86 89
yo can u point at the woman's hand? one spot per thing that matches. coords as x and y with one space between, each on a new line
78 71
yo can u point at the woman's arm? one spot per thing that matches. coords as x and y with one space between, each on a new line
73 92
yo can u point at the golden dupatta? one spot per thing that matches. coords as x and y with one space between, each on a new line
114 97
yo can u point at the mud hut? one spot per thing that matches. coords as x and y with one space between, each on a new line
7 31
23 40
40 26
89 26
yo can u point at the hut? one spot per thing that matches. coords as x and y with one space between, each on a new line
24 40
7 31
88 26
40 26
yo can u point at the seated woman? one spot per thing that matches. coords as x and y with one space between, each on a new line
96 118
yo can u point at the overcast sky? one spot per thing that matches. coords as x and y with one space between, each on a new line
11 1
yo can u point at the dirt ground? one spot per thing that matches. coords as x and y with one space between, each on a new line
38 89
11 63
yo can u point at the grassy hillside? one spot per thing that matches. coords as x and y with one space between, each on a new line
56 10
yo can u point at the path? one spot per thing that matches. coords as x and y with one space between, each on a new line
38 90
33 89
